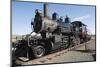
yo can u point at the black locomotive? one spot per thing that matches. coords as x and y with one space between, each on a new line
54 34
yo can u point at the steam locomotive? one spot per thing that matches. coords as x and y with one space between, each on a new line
54 34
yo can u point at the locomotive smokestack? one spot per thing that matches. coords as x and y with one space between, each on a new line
45 10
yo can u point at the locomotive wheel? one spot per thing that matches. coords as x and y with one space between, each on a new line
75 41
38 51
78 41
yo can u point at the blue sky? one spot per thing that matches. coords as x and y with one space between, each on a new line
23 12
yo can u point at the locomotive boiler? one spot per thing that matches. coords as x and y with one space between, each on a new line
54 34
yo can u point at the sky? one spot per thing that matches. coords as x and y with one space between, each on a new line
23 12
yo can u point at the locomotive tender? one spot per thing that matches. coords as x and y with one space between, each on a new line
54 34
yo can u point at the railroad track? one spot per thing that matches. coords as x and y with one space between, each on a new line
50 56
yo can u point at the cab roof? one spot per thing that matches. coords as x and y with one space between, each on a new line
79 23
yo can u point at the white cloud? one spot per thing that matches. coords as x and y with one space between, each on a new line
81 18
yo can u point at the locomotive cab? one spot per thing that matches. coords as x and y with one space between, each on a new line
81 30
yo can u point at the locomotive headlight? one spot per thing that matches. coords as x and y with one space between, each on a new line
13 49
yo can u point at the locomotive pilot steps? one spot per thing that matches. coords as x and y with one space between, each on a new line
54 34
